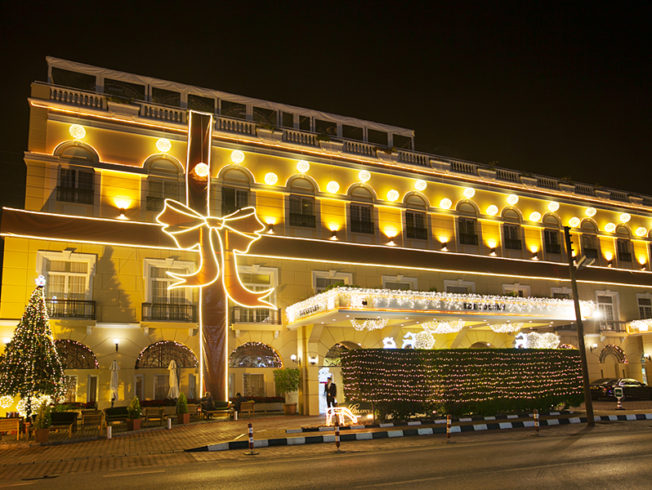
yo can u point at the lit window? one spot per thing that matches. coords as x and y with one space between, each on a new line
75 185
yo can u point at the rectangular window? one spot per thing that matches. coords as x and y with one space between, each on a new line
265 117
467 234
325 280
253 384
166 97
516 290
73 79
139 387
402 142
234 109
304 123
91 391
234 199
163 303
302 211
161 386
590 246
160 189
75 185
202 104
287 119
192 387
644 307
325 127
608 312
377 137
66 279
552 241
558 295
459 286
361 221
415 225
324 283
352 132
512 237
260 280
124 90
624 250
400 283
160 282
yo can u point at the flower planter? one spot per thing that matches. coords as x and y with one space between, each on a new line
134 424
290 408
183 418
42 435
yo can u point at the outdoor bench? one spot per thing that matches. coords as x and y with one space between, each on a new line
269 407
92 419
220 408
153 414
116 415
64 421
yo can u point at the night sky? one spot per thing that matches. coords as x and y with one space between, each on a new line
558 89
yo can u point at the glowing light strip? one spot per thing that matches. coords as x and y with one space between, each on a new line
377 163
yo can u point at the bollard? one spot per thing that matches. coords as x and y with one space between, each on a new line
536 420
619 404
337 437
251 441
235 415
169 423
109 432
448 426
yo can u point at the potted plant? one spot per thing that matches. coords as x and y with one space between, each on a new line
287 383
133 409
182 409
42 423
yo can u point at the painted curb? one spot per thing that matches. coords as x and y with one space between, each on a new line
416 431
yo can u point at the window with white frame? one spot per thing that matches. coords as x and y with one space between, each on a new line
560 293
164 303
516 289
608 305
322 280
400 282
256 278
644 305
459 286
68 274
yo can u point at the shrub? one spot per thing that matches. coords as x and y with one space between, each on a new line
43 418
182 404
287 380
134 408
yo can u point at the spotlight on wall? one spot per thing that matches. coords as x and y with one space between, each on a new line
333 235
117 343
122 214
295 359
444 247
313 360
492 252
535 255
593 347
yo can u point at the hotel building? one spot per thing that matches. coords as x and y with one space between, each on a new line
436 252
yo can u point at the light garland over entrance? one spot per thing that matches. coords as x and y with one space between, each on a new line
360 324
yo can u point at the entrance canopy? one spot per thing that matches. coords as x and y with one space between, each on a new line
351 307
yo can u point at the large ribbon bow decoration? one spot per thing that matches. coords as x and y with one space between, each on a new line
219 240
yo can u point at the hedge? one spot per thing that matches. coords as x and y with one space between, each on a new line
462 381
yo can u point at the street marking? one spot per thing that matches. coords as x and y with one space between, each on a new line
133 473
17 484
241 435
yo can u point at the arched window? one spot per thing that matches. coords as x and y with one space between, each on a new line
75 355
75 150
334 355
235 190
416 218
590 244
623 244
361 211
254 355
512 230
468 224
165 180
159 355
551 234
302 203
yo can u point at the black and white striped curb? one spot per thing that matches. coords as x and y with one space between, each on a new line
417 431
473 418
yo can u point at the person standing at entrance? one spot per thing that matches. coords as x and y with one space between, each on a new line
330 390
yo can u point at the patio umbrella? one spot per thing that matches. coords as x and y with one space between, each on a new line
173 392
114 381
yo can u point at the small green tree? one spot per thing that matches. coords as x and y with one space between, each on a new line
182 404
133 409
31 366
43 418
287 380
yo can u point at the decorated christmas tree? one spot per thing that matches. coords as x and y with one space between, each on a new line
30 367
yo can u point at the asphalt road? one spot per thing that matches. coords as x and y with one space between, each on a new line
615 456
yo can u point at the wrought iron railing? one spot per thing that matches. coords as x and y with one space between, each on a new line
254 315
70 308
169 312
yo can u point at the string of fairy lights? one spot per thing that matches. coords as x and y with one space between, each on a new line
460 375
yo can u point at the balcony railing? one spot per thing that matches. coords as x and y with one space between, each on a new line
305 220
70 308
235 126
418 233
612 326
360 148
169 312
300 137
254 315
77 97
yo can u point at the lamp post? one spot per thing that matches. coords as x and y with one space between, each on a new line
588 402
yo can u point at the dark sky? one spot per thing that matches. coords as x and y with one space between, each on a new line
556 88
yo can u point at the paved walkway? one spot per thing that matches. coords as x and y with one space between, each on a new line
159 446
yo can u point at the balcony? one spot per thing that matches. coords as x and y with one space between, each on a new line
254 315
418 233
612 326
70 308
305 220
169 312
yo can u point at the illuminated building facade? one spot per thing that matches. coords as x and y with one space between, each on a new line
440 253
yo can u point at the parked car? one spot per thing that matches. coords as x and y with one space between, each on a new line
603 389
